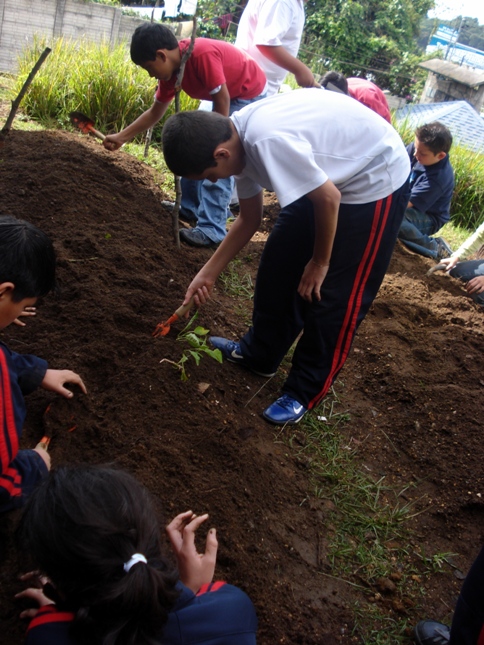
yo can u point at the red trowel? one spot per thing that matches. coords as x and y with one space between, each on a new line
85 124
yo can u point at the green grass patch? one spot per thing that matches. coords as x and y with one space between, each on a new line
366 539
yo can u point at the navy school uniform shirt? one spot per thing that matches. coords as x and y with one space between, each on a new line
20 471
431 187
219 614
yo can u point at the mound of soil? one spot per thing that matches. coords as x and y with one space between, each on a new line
413 387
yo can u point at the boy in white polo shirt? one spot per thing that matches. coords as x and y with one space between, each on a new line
340 173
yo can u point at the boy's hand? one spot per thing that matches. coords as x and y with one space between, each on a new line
199 289
44 455
196 569
113 142
54 380
449 262
312 280
476 285
28 311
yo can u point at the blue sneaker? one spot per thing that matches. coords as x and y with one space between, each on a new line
231 352
284 410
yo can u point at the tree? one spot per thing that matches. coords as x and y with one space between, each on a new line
371 38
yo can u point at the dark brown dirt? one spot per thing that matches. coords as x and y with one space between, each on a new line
413 387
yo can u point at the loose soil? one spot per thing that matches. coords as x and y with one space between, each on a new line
413 387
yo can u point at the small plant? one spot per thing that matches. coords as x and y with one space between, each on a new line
197 340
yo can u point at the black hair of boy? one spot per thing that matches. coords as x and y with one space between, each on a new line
79 527
147 39
27 258
336 79
190 139
436 136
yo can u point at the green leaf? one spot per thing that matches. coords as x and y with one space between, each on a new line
214 353
200 331
192 339
196 356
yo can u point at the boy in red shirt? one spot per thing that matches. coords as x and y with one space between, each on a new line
215 71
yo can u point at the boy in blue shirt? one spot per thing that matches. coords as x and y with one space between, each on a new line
431 185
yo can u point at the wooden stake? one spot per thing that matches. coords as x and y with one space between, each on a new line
15 104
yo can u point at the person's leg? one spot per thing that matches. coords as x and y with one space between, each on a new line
468 620
467 270
213 200
415 232
362 249
190 199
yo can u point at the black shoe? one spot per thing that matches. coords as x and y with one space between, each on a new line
182 214
430 632
196 237
231 352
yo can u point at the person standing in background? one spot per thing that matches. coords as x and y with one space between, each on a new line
270 31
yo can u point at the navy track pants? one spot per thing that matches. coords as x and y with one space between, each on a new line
362 249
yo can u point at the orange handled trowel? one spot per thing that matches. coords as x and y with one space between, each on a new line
163 328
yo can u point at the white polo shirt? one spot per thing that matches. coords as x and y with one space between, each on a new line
274 23
295 142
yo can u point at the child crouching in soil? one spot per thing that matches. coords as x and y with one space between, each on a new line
92 531
340 173
27 272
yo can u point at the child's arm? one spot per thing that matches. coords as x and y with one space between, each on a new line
221 101
240 233
196 569
147 120
54 380
280 56
326 200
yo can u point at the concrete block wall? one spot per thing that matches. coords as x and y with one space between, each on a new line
21 20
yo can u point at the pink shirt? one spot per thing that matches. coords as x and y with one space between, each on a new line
211 64
370 95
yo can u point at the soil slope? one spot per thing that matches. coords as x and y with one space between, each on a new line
413 387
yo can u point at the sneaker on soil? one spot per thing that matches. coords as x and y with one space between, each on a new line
196 237
284 410
231 352
443 249
429 632
182 214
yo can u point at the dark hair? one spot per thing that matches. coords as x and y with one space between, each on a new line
27 258
436 136
79 527
190 138
148 38
336 79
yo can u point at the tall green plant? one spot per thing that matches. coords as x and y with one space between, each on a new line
95 78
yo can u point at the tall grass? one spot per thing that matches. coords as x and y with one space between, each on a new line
467 206
97 79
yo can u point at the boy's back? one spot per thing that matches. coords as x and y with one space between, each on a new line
361 153
211 64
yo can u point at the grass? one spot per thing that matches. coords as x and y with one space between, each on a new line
365 531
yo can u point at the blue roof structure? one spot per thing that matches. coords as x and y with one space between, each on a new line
466 125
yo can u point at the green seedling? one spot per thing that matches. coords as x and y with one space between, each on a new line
196 339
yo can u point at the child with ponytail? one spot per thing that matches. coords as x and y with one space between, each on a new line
93 537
